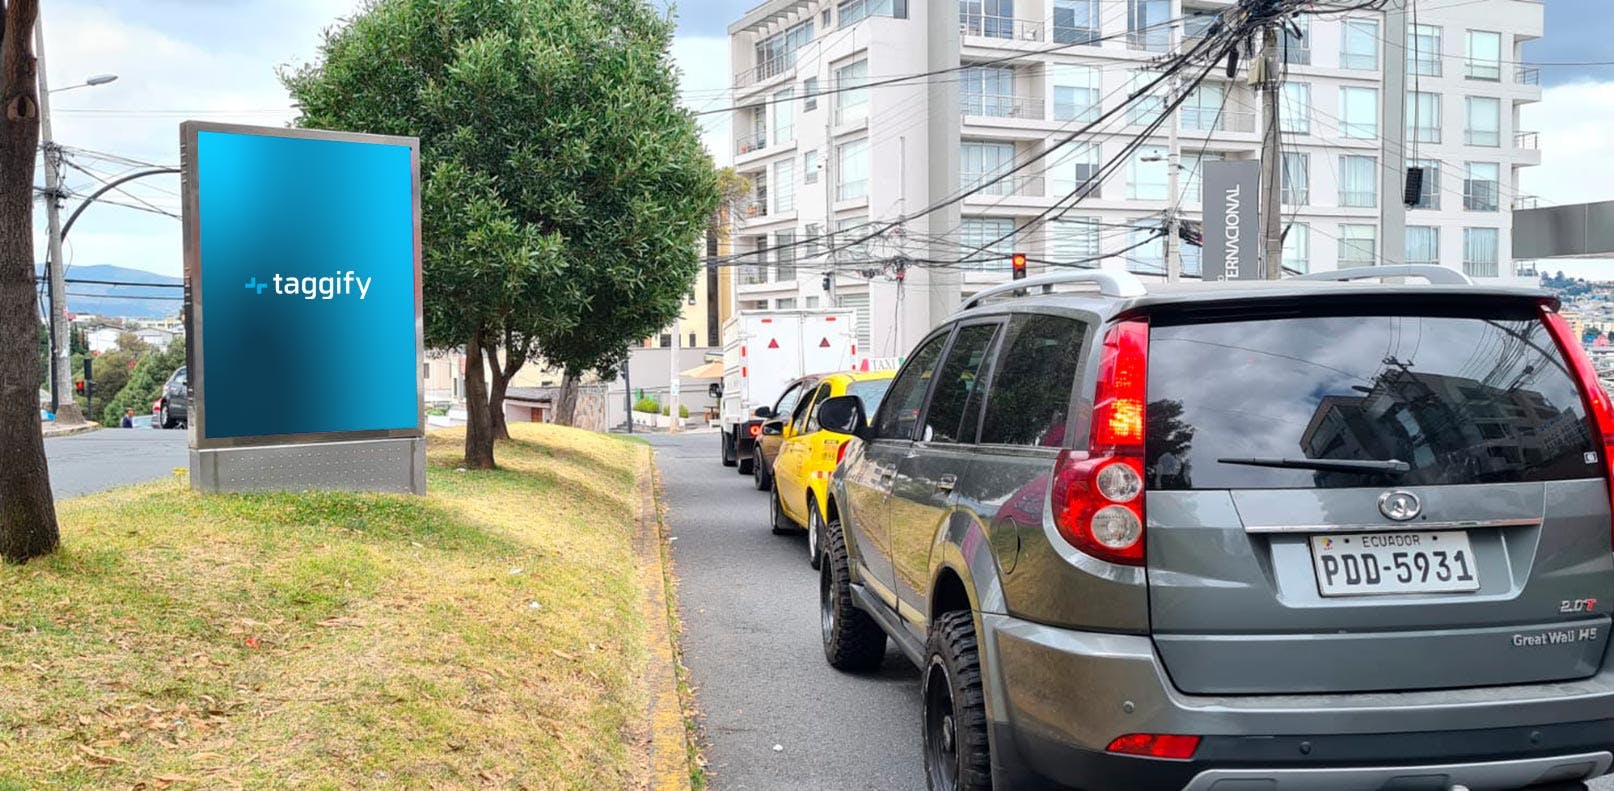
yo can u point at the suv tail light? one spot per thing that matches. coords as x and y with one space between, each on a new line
1155 745
1098 494
1591 390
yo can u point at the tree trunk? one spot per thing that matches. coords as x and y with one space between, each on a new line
566 407
501 384
478 420
27 512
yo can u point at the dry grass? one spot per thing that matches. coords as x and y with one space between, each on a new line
488 635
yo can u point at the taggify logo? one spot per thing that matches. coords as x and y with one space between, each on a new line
340 285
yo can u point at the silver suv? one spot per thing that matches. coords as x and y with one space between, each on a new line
1307 534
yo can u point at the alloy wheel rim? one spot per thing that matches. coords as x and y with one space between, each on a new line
941 729
813 524
826 602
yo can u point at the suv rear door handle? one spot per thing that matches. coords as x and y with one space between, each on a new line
946 482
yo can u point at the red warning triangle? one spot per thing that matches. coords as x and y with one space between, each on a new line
773 344
823 344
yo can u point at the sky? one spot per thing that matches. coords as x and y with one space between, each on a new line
216 60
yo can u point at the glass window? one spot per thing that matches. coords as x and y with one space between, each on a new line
1074 169
1484 55
809 94
1296 178
1358 181
992 236
788 399
1481 252
852 102
777 54
1147 24
1482 186
1484 121
855 11
980 162
1423 117
1423 244
852 166
784 117
1192 258
900 411
1423 50
1031 390
1076 93
1076 21
1297 49
1360 46
1429 192
1330 391
1297 248
805 418
988 90
1193 173
1146 107
809 167
1358 245
1147 253
1359 112
956 403
1202 110
1294 114
1149 178
784 254
1075 240
784 185
868 391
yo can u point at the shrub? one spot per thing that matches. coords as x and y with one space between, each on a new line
666 410
683 411
647 405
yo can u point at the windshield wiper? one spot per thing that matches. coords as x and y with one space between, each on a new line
1333 465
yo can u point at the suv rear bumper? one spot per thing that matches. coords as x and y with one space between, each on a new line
1057 698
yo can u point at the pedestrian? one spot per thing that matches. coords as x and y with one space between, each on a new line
128 418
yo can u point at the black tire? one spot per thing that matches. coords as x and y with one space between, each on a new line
782 526
729 459
853 641
957 754
745 465
165 420
761 476
815 534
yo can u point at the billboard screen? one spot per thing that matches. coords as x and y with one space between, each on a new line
303 274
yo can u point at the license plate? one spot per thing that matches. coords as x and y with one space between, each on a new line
1357 564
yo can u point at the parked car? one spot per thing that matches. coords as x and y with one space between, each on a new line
173 409
1301 534
808 453
769 425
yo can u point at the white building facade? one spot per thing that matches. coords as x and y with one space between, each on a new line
1038 71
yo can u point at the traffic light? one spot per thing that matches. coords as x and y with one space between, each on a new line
827 281
1018 260
78 387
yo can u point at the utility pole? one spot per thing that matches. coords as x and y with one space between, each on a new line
61 369
944 51
1393 101
672 381
1271 156
1173 162
627 388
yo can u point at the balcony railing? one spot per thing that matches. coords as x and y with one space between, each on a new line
1527 75
1526 202
1157 39
1002 106
1527 140
1358 199
763 71
1074 34
1205 119
1003 27
752 142
1482 137
752 274
1017 184
1487 70
751 208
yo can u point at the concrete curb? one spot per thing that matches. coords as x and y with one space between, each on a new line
670 752
50 430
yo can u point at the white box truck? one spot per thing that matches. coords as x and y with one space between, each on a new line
763 352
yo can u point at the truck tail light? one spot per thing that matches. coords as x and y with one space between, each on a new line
1098 493
755 429
1155 745
1591 391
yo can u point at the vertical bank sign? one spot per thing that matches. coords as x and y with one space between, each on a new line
302 265
1232 232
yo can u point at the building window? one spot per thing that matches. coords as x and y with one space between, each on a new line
785 303
1076 21
1076 93
777 53
751 130
1358 245
811 302
809 94
1423 50
989 91
784 255
1359 49
852 102
1202 110
859 305
1481 252
1358 181
1484 55
852 168
1297 248
989 18
992 236
1194 176
980 163
1484 121
1423 244
811 240
1149 177
1423 117
1359 112
1075 169
809 167
1075 240
784 185
690 297
1429 193
666 340
1296 178
784 117
1482 186
1192 258
1148 106
848 243
1148 25
1294 115
692 340
1297 49
855 11
1147 248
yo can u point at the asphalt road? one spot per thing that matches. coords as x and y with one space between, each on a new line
749 604
91 462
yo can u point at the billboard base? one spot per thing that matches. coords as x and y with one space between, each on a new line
377 465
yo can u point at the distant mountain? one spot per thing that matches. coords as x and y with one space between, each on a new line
156 301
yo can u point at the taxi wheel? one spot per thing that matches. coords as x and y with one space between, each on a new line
815 534
782 525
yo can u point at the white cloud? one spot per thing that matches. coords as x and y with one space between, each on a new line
706 81
1577 157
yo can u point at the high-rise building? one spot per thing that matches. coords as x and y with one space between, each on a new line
828 153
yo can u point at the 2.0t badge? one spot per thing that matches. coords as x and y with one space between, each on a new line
1399 505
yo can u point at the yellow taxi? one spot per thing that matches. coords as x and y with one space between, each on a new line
809 454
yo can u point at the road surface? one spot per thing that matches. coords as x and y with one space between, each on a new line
749 604
110 457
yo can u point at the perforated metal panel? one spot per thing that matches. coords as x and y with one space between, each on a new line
382 465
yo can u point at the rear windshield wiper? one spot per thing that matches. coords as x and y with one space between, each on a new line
1336 465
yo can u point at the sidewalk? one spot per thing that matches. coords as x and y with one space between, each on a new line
50 429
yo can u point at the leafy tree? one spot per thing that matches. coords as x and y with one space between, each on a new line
145 384
565 190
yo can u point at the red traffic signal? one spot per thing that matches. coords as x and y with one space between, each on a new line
1018 261
78 387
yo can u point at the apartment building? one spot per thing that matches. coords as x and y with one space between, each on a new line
854 159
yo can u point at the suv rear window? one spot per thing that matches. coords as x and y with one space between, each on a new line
1460 399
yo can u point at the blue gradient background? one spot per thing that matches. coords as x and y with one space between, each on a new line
281 364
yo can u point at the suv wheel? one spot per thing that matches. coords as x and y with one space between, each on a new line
760 476
745 465
782 526
164 419
728 449
815 534
957 757
852 640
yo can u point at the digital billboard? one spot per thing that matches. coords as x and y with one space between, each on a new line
303 285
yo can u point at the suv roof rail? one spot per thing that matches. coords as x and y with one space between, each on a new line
1111 283
1436 275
